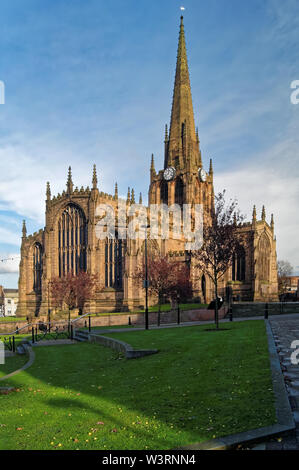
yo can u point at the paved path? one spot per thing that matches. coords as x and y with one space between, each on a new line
285 330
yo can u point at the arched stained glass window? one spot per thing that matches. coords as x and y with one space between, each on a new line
164 192
264 255
37 267
179 192
114 253
72 240
239 266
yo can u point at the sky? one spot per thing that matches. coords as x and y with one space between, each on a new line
89 81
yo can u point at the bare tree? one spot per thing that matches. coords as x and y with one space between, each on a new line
284 271
221 242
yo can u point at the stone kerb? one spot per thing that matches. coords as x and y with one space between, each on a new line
126 349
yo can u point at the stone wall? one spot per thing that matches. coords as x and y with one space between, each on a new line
124 318
251 309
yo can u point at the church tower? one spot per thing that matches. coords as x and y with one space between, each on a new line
183 179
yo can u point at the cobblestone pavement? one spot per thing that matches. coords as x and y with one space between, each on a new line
286 330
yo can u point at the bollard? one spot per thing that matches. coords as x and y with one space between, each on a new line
266 311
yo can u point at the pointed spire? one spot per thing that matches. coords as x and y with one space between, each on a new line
197 137
48 191
211 172
153 164
272 222
263 214
94 178
129 195
140 198
153 171
166 133
24 229
182 108
254 214
116 191
69 183
133 196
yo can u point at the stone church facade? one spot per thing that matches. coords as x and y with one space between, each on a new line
68 242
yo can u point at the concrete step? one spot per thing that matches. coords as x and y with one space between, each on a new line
80 335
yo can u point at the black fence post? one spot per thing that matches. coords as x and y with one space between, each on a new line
179 315
159 318
72 332
89 323
230 312
32 331
13 344
129 321
36 333
266 311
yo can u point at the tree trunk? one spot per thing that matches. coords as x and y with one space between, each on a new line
159 311
216 303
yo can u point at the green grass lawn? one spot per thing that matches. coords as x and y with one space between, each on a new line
11 364
200 385
12 319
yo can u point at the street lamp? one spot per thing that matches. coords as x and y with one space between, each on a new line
49 310
146 277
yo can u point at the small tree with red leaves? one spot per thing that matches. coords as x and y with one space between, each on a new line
73 291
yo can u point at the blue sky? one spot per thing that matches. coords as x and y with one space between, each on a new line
91 82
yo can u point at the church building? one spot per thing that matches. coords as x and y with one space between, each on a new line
68 242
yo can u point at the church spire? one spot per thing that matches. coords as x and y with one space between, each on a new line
48 191
69 184
182 134
94 178
24 229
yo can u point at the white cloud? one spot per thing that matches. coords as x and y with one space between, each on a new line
9 263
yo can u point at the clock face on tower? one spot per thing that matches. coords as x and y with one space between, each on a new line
202 175
169 173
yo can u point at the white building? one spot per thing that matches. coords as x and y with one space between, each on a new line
11 298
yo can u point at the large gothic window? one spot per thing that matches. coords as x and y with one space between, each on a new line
164 192
179 192
72 240
37 267
114 253
264 253
239 266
